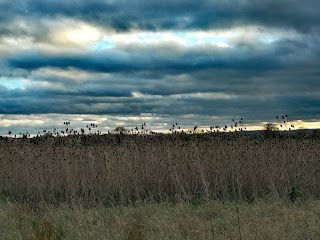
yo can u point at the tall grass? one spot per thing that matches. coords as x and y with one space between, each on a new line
208 220
123 169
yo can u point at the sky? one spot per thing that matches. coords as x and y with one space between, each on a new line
123 63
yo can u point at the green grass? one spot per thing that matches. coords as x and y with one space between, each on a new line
267 219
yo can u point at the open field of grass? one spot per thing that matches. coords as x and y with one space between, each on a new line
177 186
268 219
122 169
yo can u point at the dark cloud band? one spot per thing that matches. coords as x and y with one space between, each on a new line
155 15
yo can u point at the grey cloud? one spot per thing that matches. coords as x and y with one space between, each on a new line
261 94
275 56
262 79
155 15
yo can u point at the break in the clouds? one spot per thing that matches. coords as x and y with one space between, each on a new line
196 62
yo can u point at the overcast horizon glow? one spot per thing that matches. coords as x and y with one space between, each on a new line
122 63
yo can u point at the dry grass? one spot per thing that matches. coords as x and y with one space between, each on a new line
272 219
124 169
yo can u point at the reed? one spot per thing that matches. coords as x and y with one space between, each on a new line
125 169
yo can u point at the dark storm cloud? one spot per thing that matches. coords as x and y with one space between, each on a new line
277 55
260 83
261 94
250 107
156 15
255 78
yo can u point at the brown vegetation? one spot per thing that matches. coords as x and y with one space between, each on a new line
263 220
128 168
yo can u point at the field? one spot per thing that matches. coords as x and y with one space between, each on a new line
268 219
170 186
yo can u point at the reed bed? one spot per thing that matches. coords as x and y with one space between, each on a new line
124 169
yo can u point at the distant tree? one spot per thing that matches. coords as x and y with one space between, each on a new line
120 130
270 130
270 127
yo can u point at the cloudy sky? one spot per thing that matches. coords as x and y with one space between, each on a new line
122 63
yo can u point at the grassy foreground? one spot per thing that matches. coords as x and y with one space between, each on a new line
268 219
49 183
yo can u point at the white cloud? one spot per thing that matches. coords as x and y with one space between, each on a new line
35 123
71 74
71 32
61 36
12 45
205 95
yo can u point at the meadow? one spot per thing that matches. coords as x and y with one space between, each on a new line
161 186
